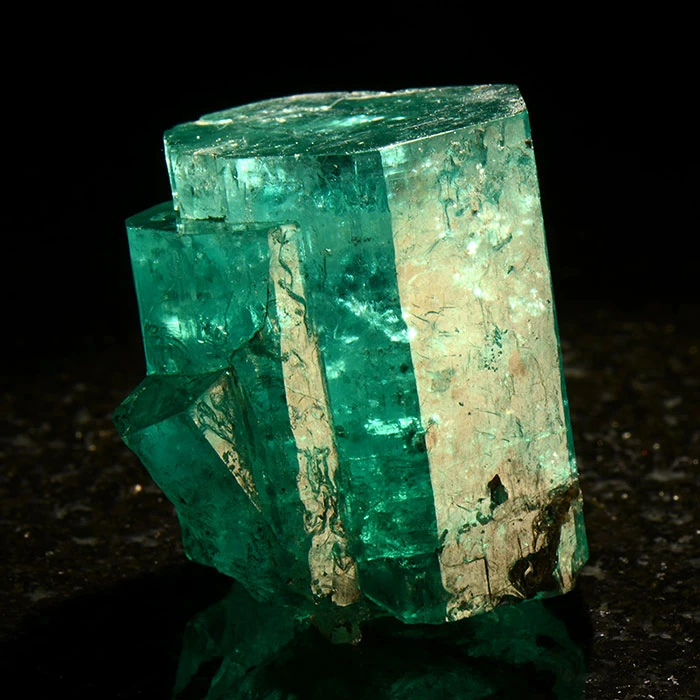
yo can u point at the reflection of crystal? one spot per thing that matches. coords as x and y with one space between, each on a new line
240 648
354 395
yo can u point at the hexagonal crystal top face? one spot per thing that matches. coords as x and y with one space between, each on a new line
343 123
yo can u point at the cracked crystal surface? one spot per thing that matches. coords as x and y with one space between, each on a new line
348 320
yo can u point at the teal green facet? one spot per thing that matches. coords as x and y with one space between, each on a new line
355 396
170 421
181 267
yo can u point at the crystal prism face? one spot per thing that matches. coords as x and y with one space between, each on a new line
203 265
355 397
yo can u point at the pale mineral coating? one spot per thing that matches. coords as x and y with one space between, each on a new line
369 270
476 297
333 571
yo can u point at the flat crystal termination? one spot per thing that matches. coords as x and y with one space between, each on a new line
355 396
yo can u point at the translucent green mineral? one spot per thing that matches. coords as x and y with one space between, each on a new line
355 397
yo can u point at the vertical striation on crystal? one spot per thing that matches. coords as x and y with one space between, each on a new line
349 314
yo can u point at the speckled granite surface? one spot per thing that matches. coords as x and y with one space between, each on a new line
96 592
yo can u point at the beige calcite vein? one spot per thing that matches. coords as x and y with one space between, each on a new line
476 297
333 571
213 414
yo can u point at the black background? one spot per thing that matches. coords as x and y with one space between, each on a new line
94 601
610 109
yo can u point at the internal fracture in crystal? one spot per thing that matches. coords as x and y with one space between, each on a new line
354 396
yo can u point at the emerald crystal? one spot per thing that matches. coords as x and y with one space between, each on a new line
355 397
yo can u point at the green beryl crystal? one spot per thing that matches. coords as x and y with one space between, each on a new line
354 396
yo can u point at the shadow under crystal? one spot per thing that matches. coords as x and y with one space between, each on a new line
241 648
